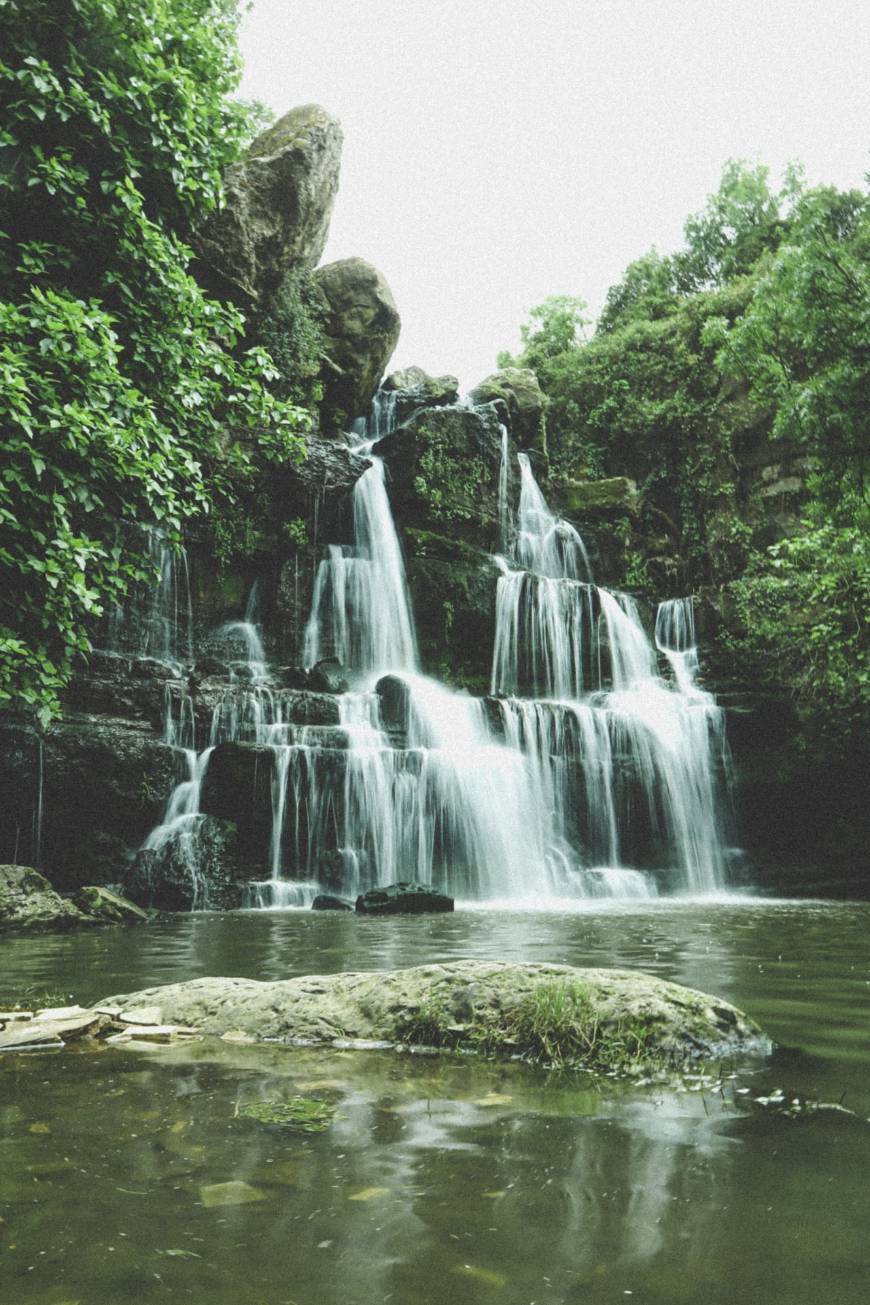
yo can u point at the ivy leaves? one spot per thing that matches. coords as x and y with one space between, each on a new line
119 377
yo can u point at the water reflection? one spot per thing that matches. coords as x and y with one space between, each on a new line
442 1180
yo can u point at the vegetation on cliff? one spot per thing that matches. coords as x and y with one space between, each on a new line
755 336
121 378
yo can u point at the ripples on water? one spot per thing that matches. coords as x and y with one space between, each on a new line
448 1180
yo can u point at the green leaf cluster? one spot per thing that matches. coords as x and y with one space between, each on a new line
127 395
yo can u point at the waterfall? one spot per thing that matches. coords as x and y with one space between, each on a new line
360 612
586 773
157 621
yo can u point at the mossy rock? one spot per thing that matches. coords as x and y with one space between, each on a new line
296 1115
518 389
613 496
556 1014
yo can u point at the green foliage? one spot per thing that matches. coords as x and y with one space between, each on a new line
119 378
296 534
757 331
803 620
447 482
292 332
803 343
739 223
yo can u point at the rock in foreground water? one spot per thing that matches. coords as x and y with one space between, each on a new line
403 899
28 902
550 1013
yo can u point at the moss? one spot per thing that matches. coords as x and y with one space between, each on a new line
559 1024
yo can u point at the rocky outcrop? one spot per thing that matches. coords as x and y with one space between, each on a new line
518 389
29 903
444 470
278 204
585 499
361 329
412 388
467 1003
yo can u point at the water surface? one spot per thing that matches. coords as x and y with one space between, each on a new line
449 1179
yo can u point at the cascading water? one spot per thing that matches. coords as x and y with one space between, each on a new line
584 774
566 793
157 621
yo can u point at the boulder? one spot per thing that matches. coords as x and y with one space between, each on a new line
196 868
444 471
473 1003
28 901
361 329
107 906
327 902
412 388
403 899
276 213
518 389
328 676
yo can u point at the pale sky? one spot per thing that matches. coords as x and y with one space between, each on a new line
497 152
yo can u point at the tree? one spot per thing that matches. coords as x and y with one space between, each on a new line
739 223
804 342
119 377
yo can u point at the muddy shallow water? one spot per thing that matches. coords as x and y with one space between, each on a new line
131 1175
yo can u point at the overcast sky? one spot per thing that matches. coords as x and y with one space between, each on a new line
497 152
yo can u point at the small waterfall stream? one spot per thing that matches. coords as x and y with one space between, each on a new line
586 773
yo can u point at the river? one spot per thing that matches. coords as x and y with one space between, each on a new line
448 1180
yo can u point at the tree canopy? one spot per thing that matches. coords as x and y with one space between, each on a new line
119 377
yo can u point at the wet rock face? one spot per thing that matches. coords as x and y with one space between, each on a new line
279 201
104 784
518 390
361 326
443 469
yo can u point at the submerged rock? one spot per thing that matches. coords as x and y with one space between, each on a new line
403 899
494 1005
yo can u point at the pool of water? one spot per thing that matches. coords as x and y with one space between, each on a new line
132 1175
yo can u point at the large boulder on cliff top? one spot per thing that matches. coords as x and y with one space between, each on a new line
518 389
361 327
279 201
